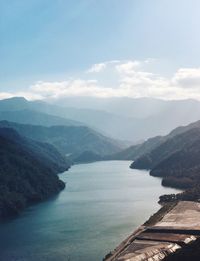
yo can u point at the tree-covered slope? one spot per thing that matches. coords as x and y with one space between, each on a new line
142 153
182 168
170 146
36 118
177 161
27 172
70 140
135 151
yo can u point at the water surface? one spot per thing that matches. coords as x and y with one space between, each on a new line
102 203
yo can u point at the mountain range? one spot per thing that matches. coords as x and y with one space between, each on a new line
138 119
39 140
126 119
27 116
70 140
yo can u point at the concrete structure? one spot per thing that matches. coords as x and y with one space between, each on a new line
162 235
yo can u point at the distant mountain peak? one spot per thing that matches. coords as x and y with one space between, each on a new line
16 98
14 103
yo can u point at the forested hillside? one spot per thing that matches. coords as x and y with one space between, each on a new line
27 172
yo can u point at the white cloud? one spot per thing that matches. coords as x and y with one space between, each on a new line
187 78
28 95
74 87
128 67
98 67
5 95
131 80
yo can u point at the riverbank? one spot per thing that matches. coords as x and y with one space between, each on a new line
101 203
172 228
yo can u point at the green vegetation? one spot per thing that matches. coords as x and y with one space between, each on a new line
87 156
135 151
36 118
70 140
177 160
27 172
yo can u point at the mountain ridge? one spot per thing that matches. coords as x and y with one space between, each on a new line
68 139
27 172
121 118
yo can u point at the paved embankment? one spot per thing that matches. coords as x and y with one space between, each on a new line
169 229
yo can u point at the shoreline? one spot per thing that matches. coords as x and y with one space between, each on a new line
173 228
157 216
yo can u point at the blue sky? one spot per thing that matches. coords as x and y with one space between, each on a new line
54 40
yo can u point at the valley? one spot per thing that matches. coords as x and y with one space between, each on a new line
101 203
39 145
99 130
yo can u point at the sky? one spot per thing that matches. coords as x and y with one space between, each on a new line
105 48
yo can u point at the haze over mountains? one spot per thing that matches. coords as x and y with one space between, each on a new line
174 157
70 140
55 136
162 147
119 118
36 118
125 106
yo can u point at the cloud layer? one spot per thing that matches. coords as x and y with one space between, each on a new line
130 79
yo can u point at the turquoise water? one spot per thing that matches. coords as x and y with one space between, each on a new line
102 203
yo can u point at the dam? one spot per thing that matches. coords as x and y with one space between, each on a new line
168 230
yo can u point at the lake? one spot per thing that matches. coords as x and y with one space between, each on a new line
103 202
